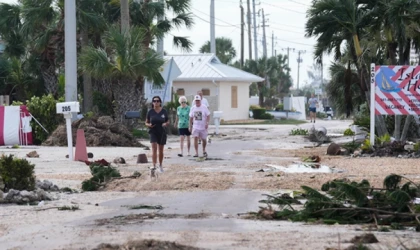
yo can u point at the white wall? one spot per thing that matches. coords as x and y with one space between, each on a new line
229 113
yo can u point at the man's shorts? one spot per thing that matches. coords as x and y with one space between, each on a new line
159 138
312 110
184 132
200 133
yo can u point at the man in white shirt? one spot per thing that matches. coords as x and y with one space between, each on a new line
199 123
204 102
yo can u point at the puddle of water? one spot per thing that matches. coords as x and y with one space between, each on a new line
304 168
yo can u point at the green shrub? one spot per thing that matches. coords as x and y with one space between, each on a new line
321 115
258 113
102 172
17 173
298 131
348 132
280 107
44 110
252 107
266 116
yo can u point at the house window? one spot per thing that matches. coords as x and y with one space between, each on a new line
206 92
234 97
180 92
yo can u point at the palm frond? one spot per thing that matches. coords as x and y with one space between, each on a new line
313 194
96 62
183 19
182 43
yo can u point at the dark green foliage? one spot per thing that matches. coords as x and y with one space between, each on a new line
346 202
352 146
258 113
17 173
266 116
102 172
44 110
103 104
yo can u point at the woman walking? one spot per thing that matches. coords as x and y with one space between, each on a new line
182 121
157 121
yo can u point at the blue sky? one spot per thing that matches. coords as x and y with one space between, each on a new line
286 20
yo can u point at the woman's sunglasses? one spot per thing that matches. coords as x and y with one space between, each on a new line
156 100
183 102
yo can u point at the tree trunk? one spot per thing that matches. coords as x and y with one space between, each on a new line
260 94
127 98
397 128
406 127
365 87
87 79
50 78
125 16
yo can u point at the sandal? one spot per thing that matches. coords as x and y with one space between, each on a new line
180 155
205 154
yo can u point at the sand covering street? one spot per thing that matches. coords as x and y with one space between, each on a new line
200 199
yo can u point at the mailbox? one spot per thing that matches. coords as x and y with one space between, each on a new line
217 114
67 107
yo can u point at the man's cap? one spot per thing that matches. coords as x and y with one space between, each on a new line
197 98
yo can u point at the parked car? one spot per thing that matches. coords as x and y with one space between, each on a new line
328 111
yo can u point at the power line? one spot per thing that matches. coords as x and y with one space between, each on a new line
293 1
216 18
204 20
275 6
232 25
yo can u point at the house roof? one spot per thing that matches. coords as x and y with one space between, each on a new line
207 67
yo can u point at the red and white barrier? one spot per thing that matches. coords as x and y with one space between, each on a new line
15 127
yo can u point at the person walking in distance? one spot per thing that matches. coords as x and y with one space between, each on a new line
312 107
203 102
199 123
157 121
182 122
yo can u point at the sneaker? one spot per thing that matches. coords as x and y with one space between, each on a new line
161 169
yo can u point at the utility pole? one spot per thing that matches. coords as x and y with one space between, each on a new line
255 31
70 55
249 28
264 41
272 44
159 45
288 55
212 29
242 35
299 60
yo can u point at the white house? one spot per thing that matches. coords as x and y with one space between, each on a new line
225 87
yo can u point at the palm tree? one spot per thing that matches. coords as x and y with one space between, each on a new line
335 21
43 25
89 21
10 25
123 60
144 15
125 16
224 49
262 68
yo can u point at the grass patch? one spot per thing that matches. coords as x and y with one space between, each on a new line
272 122
140 133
